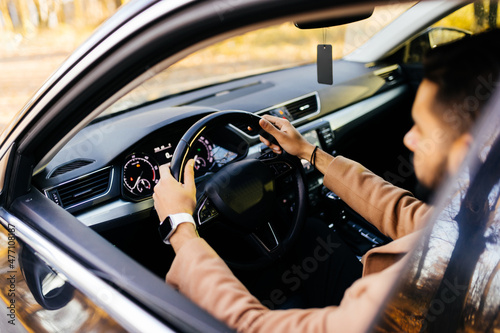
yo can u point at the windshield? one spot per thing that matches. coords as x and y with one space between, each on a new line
260 51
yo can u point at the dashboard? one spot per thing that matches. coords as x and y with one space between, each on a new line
107 172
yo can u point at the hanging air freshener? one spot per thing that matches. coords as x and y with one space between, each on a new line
324 62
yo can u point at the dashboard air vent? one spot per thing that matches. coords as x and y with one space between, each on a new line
293 110
85 188
303 107
70 166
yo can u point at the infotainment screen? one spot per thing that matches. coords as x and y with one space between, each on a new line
312 137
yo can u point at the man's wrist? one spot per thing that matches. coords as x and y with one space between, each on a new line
183 233
307 151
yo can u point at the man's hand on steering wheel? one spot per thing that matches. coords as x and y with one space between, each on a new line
292 141
287 136
172 197
251 210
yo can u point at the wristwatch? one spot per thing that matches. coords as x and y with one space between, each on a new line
169 225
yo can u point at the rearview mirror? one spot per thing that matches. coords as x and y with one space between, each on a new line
334 21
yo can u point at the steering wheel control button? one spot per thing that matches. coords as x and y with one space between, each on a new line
280 168
268 155
207 212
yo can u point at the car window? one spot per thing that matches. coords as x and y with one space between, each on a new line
264 50
470 19
452 282
475 17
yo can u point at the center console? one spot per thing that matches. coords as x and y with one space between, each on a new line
358 233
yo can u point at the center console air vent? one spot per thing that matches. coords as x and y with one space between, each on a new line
303 107
70 166
294 110
82 189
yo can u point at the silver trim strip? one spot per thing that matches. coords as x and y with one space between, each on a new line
274 236
386 70
113 210
128 314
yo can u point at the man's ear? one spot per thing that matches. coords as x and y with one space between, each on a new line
458 151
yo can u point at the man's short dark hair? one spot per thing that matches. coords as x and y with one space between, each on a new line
466 72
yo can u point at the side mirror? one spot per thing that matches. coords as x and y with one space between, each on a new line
415 49
442 35
49 288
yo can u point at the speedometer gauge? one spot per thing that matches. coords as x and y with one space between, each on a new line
140 175
202 155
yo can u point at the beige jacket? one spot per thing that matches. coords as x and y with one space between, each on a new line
200 274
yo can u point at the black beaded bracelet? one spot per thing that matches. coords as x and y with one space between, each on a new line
312 160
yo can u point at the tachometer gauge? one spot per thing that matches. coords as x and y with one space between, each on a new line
140 175
203 156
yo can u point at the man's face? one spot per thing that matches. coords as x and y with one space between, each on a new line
429 139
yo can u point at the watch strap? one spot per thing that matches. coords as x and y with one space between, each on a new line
169 225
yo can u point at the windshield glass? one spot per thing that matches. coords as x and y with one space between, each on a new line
260 51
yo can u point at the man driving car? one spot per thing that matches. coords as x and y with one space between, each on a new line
458 80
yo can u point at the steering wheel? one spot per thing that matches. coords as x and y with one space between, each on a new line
251 210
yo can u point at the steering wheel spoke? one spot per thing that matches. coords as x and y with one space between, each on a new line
266 238
205 211
278 166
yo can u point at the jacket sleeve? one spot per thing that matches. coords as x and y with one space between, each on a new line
200 274
394 211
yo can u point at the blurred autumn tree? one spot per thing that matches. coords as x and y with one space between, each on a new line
36 36
28 16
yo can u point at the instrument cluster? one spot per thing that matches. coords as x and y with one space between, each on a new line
140 170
